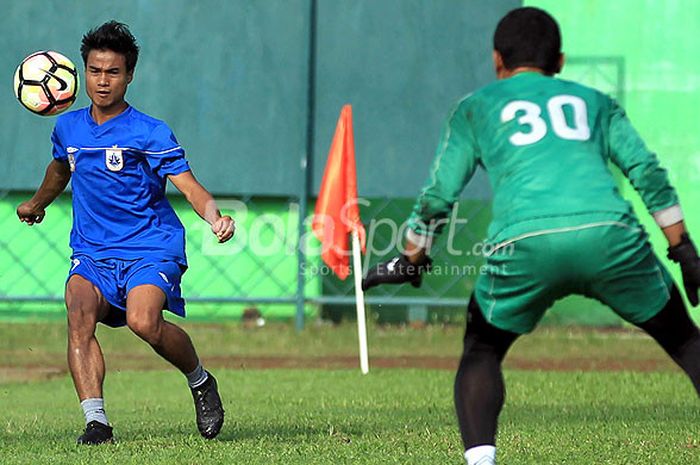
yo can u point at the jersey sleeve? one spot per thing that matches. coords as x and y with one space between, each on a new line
164 154
59 149
455 162
642 168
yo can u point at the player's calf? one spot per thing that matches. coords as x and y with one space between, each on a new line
479 389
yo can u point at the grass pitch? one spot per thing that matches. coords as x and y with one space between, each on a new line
337 416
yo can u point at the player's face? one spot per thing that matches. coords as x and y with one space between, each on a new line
106 79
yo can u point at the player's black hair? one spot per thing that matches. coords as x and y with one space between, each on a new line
114 36
528 37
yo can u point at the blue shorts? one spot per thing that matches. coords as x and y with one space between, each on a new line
115 278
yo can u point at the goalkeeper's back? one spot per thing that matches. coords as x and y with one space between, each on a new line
546 144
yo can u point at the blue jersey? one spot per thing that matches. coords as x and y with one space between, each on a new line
119 172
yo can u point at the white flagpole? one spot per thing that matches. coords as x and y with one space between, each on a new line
360 302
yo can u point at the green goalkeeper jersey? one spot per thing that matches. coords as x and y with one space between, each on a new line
545 144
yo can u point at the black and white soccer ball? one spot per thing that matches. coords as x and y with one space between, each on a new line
46 83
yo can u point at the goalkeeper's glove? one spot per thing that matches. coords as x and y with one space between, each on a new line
686 256
398 270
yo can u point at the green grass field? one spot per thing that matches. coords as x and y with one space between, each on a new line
325 413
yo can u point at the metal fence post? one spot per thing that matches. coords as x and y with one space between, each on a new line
307 166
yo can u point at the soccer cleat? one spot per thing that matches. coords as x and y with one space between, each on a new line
207 405
96 433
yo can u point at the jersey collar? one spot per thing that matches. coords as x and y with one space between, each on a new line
94 126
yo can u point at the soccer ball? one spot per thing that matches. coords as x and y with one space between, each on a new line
46 83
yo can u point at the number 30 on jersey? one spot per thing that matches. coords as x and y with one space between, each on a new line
531 116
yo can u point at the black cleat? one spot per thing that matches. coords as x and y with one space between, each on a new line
207 405
96 433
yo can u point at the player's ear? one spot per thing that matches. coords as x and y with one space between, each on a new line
129 76
498 64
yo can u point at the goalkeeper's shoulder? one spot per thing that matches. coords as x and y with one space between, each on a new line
479 100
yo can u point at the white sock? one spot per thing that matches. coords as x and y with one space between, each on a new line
197 377
94 410
481 455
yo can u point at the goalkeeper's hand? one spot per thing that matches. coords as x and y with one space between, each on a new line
398 270
686 256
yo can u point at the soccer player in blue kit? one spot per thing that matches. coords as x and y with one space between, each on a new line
128 243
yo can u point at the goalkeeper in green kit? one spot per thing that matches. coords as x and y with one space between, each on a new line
560 226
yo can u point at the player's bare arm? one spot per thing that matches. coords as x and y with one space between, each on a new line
55 181
204 204
674 233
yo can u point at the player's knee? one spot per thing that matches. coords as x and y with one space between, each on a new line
83 306
482 340
148 329
82 317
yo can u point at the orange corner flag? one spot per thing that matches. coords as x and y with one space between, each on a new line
337 213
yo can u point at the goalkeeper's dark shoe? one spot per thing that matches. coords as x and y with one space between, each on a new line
207 404
96 433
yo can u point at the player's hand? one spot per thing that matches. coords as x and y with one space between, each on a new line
224 228
398 270
30 213
686 256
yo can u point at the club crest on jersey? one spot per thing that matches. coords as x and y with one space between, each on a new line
114 159
71 157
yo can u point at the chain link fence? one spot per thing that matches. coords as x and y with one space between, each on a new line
258 270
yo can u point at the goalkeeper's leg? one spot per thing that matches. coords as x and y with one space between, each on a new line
673 329
479 387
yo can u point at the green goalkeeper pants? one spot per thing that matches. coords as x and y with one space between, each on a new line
613 263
